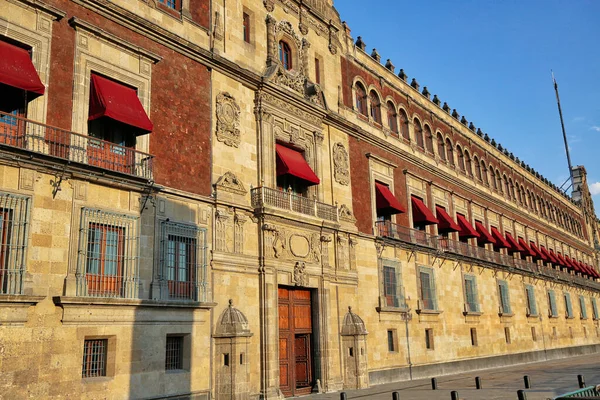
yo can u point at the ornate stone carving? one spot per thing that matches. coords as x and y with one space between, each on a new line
269 5
300 245
279 240
228 120
230 183
341 169
346 214
300 278
315 247
287 106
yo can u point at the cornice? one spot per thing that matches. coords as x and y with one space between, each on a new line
57 13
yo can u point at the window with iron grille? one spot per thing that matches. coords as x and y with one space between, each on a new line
504 296
174 353
582 307
471 294
507 335
392 285
531 305
14 224
568 305
595 308
108 254
183 261
94 358
429 345
427 289
552 304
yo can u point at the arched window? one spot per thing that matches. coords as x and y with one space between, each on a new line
418 133
477 168
493 178
441 147
511 189
449 152
404 125
392 117
361 99
520 193
428 140
375 109
484 173
461 158
499 177
285 55
468 167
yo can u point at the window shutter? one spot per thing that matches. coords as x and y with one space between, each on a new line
553 304
568 305
399 288
582 307
475 296
505 298
595 308
433 291
531 297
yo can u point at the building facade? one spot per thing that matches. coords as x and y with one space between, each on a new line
234 199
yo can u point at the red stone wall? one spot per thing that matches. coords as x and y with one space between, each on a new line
180 101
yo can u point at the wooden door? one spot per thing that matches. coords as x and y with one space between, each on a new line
295 342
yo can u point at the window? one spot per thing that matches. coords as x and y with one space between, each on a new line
428 140
531 305
172 4
108 255
595 308
404 125
392 117
473 336
183 259
427 289
294 173
554 333
14 223
468 165
441 147
375 110
484 173
246 22
472 304
507 334
392 340
582 308
418 133
361 99
571 332
568 306
174 353
285 55
317 70
533 334
503 294
449 152
429 339
94 358
392 289
493 179
552 304
461 158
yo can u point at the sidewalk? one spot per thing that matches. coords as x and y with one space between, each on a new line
548 379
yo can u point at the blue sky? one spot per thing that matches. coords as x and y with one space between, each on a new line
491 60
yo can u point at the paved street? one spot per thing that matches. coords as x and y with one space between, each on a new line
548 379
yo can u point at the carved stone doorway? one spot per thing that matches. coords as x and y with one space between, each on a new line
296 342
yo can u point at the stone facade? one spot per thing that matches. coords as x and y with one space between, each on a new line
263 265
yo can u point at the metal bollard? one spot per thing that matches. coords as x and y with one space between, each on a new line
477 382
581 381
343 396
433 384
521 395
527 382
395 396
454 395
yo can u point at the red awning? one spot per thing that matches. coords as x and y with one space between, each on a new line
118 102
17 70
553 257
585 268
536 250
292 162
386 201
514 245
500 241
545 254
571 264
484 235
466 229
446 223
422 214
562 261
525 246
595 273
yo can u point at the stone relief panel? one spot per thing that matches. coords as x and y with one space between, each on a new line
342 252
230 183
341 170
228 120
288 244
223 231
300 277
346 214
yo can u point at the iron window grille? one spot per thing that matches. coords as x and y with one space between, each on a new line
94 358
531 305
471 294
568 305
552 303
172 4
582 307
393 291
14 226
504 297
174 353
108 255
427 289
183 261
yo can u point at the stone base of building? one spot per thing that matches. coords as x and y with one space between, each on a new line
457 367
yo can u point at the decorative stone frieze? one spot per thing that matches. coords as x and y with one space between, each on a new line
346 214
230 183
300 277
341 170
228 120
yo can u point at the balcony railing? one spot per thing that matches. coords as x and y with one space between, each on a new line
264 196
394 231
43 139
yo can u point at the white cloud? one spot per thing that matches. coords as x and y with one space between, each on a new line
595 188
595 128
578 119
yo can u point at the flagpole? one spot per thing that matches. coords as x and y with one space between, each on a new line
562 124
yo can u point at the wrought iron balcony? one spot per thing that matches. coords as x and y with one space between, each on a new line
265 196
404 234
44 139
